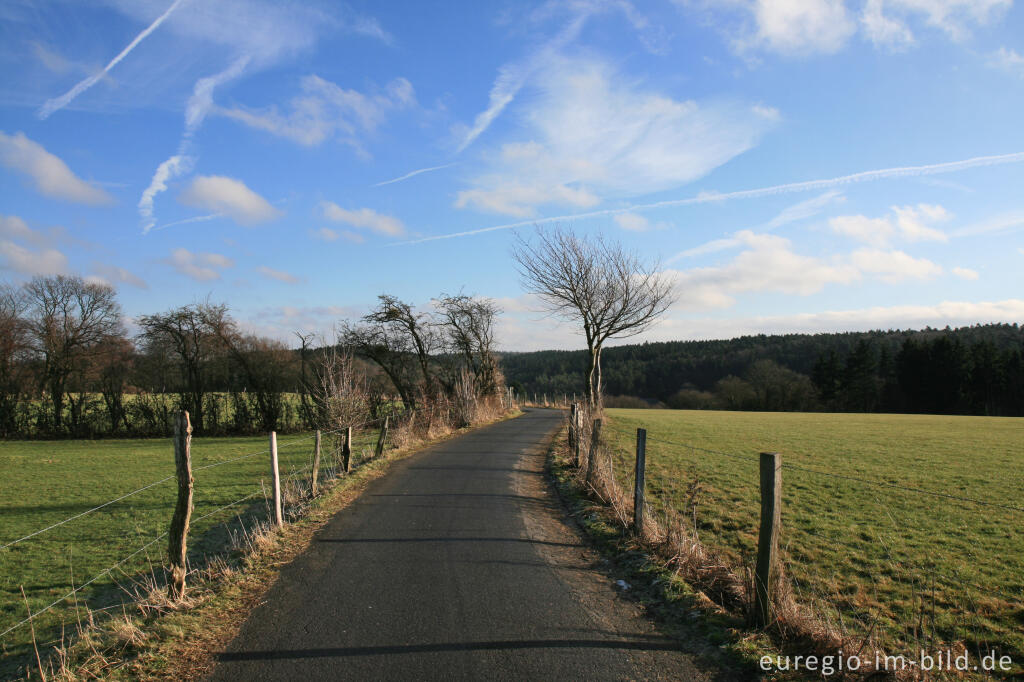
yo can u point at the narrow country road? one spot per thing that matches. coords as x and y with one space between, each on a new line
456 565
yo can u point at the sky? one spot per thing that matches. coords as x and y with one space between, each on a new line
793 165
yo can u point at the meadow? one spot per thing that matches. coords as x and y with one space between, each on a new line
46 482
863 541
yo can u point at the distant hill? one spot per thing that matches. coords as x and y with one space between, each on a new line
969 370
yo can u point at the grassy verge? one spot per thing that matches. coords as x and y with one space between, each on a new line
156 640
682 611
870 560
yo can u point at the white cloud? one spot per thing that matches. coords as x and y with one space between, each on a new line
203 267
952 313
965 273
910 223
808 27
279 275
882 30
172 167
364 218
632 221
590 132
768 264
228 196
1008 60
51 176
711 197
802 26
112 274
44 261
894 266
954 17
325 110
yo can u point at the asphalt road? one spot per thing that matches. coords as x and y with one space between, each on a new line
456 565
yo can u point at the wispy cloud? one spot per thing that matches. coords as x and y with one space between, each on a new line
365 218
58 103
278 275
325 110
512 77
203 267
790 214
412 174
805 186
1009 60
51 176
229 197
568 157
909 223
112 274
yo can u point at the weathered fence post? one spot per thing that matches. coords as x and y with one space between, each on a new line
178 534
576 446
638 481
275 473
346 451
383 437
766 571
316 464
572 427
595 440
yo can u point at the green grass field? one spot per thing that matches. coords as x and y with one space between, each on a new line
914 565
45 482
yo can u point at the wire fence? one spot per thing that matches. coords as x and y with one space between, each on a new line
231 492
870 558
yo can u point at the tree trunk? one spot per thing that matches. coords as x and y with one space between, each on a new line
591 376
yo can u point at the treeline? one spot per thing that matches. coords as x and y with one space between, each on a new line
68 367
970 370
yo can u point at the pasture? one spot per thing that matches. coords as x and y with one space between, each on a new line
862 539
46 482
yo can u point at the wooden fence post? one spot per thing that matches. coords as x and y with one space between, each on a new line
595 440
576 446
638 481
766 571
316 464
572 427
178 534
275 473
346 451
383 437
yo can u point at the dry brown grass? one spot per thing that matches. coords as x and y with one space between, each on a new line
804 623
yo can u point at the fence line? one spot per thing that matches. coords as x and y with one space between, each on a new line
89 511
75 590
855 479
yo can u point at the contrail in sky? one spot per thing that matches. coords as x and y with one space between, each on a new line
413 174
58 103
706 198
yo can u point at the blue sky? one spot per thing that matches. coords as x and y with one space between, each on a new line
808 165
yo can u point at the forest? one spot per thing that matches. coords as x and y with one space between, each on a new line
975 370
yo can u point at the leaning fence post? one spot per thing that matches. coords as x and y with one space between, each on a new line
383 437
595 439
316 464
178 534
638 486
346 451
766 571
275 472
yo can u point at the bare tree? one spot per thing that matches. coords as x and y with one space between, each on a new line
14 348
400 341
68 318
610 291
468 324
193 335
